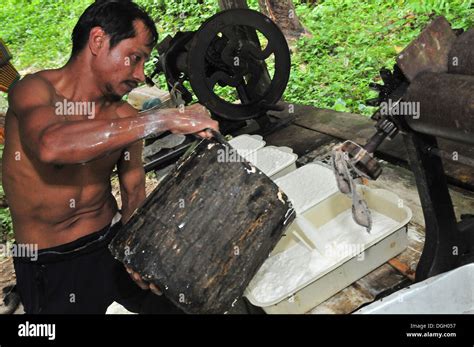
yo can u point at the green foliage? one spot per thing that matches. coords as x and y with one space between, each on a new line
352 41
459 12
38 31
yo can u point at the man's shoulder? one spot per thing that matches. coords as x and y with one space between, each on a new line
43 78
32 86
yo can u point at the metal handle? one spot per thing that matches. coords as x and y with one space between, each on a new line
218 136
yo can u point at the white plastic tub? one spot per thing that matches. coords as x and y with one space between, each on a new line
308 185
246 144
295 279
305 187
274 161
448 293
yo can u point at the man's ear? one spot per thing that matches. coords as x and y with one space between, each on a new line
97 40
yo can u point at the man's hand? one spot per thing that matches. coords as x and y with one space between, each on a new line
193 119
142 283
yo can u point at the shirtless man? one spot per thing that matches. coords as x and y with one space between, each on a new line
57 164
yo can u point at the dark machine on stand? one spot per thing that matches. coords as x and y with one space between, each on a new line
434 75
228 54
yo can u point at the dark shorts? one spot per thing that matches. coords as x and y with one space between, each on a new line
82 277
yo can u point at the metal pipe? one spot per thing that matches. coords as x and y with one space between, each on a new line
445 106
461 56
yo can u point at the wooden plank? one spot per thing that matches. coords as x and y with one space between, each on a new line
344 302
384 278
347 126
409 258
319 154
300 139
357 128
457 171
402 268
407 261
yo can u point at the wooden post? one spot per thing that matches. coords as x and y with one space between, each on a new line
229 4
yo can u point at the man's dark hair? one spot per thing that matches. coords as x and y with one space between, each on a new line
115 18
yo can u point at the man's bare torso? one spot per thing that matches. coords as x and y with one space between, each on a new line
51 204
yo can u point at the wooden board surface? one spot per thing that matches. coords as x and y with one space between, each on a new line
357 128
302 140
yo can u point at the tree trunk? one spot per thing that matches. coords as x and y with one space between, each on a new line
230 4
205 230
283 13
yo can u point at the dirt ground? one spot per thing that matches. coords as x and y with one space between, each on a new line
7 279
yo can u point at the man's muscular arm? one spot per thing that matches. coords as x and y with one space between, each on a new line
130 171
132 179
57 141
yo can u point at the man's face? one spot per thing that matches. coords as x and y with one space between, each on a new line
121 69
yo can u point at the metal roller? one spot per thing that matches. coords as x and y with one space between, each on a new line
461 56
446 104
